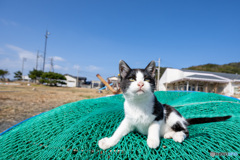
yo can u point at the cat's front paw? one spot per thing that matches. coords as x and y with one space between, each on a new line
104 143
153 143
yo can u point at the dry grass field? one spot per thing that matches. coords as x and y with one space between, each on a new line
19 102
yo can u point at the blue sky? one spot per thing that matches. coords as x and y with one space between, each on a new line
95 35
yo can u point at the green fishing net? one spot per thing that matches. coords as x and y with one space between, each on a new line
72 131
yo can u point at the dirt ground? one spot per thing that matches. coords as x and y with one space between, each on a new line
19 102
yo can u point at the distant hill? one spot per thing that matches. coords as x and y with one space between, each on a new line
225 68
232 68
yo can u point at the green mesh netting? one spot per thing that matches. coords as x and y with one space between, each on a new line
72 131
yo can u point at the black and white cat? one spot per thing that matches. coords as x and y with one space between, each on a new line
145 114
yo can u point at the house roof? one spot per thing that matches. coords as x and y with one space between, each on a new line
224 75
203 77
206 78
194 75
79 78
200 79
113 78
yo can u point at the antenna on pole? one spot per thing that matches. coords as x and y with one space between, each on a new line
45 49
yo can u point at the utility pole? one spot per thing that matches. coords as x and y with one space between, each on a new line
77 77
52 69
158 76
45 49
23 60
37 60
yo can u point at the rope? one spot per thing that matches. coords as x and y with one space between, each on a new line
206 103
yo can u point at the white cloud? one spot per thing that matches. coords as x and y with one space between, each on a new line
12 59
15 63
76 67
58 67
8 22
92 68
47 67
2 51
22 53
56 58
7 63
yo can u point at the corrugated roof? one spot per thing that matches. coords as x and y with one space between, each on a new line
225 75
204 77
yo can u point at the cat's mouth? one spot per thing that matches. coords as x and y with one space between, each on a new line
140 91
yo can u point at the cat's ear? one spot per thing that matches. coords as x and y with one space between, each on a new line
151 68
123 69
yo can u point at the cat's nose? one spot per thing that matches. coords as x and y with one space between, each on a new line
140 84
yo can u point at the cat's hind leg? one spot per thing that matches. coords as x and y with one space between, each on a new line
176 136
179 136
181 131
178 132
169 135
176 126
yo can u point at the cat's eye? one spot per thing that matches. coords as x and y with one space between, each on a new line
131 79
147 80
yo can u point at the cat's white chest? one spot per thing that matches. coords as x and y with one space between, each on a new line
140 116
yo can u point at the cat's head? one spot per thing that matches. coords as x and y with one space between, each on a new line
137 82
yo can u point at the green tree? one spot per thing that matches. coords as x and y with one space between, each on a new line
35 74
18 75
233 68
3 73
52 78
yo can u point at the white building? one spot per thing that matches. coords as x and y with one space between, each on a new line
115 81
82 82
26 78
73 82
191 80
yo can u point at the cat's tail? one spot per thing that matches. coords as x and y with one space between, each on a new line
206 120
